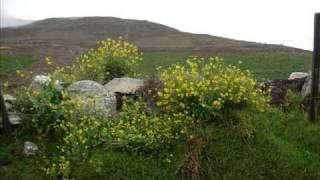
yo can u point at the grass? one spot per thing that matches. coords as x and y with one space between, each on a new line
264 66
282 145
11 62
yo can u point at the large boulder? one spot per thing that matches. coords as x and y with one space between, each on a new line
104 101
124 85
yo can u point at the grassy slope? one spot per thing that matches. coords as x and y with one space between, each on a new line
263 65
282 146
12 62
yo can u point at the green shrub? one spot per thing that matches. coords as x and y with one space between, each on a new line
113 58
139 128
43 109
207 89
116 69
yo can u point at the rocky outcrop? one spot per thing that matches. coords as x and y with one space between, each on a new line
280 88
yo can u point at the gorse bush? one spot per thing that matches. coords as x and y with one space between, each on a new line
206 89
43 108
139 128
69 123
82 131
113 58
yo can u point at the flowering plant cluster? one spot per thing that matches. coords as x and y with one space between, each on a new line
206 88
183 99
140 128
82 131
113 58
69 123
43 108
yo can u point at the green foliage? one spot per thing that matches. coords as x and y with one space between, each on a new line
139 128
113 58
116 69
43 109
80 136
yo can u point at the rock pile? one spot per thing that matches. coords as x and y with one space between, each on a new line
297 82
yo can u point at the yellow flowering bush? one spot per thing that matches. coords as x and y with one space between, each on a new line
139 128
69 123
82 131
42 108
113 58
206 89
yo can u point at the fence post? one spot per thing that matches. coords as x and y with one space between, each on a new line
315 69
6 126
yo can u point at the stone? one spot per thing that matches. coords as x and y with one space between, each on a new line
9 106
306 89
40 80
30 148
279 89
124 85
85 89
298 75
14 119
104 101
9 98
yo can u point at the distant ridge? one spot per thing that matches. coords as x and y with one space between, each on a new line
7 21
85 31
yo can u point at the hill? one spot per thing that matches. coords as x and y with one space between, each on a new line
84 32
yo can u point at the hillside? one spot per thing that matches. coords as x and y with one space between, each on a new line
84 32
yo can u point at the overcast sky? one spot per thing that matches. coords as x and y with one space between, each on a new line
288 22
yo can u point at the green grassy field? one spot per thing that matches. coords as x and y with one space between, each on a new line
263 65
11 62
